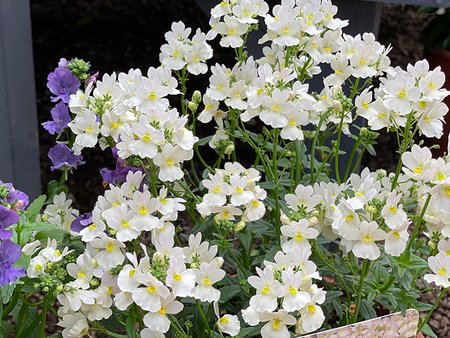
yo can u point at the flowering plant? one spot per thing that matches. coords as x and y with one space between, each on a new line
268 236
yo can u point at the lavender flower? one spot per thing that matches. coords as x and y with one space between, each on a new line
64 158
81 222
60 116
118 175
62 83
9 254
8 217
62 63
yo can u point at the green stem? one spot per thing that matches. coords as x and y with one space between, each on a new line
43 321
275 191
338 146
364 270
107 332
202 314
407 253
352 155
436 303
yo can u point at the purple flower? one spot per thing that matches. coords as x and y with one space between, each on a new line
8 217
81 222
60 116
64 158
62 63
62 83
9 254
118 175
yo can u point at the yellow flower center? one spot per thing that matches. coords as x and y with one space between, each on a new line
442 272
447 253
276 108
440 176
365 105
151 289
125 224
349 218
265 290
131 273
152 95
224 320
239 190
57 252
38 267
259 91
418 169
92 226
216 189
447 190
292 291
393 209
81 274
423 104
142 210
299 237
276 324
109 247
115 125
177 277
109 290
292 123
206 281
401 94
162 311
396 235
286 30
146 138
255 203
368 238
311 308
170 163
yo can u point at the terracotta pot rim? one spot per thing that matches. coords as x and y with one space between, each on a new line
439 52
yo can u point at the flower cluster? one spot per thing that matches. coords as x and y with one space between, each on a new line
63 82
406 94
286 283
182 52
232 192
12 203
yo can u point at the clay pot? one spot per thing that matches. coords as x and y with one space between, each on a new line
441 58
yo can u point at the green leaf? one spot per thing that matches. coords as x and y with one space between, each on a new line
57 234
131 327
367 310
6 293
228 292
35 208
247 332
417 262
203 141
427 331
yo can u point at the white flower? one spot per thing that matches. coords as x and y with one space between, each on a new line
82 271
207 276
149 297
86 127
431 122
146 139
111 255
231 30
293 297
227 323
393 214
127 280
417 162
276 326
298 233
396 239
267 290
75 325
157 320
118 218
239 194
440 265
180 279
367 235
36 267
303 199
217 190
275 108
143 206
311 316
169 161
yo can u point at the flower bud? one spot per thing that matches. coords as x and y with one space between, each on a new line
239 226
313 221
371 209
219 261
157 256
197 96
192 106
229 149
337 106
431 244
336 90
284 219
